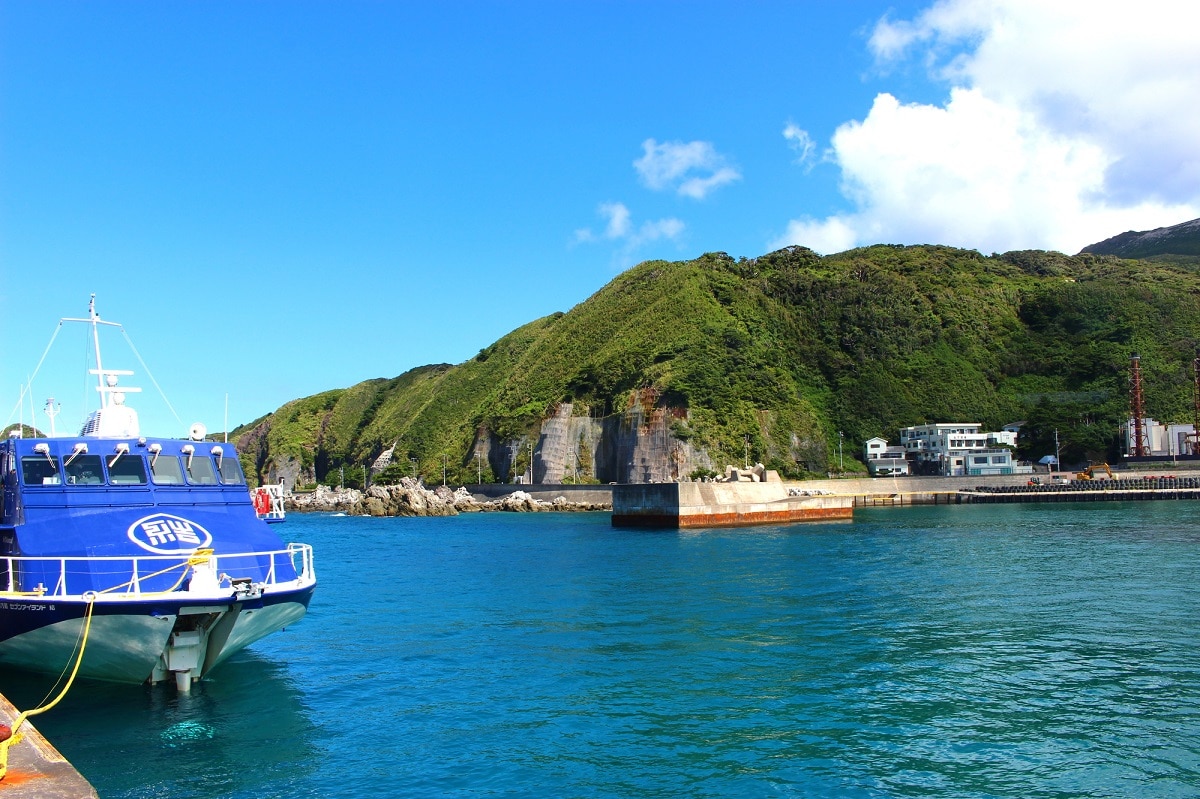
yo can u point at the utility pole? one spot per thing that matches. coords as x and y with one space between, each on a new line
478 468
841 465
443 468
1057 456
531 463
414 463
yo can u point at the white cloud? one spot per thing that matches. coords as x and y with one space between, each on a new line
1065 123
618 220
833 234
669 228
619 228
693 169
801 143
618 225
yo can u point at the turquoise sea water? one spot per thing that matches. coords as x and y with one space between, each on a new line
986 651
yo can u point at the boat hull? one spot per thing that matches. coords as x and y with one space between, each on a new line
135 640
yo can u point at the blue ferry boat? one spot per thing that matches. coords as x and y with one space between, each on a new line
155 546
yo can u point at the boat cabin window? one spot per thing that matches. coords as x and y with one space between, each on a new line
166 470
84 470
40 470
127 470
201 471
231 471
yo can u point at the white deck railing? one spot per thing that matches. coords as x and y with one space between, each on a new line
128 572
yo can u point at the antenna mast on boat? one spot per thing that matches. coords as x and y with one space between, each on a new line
52 409
94 319
122 419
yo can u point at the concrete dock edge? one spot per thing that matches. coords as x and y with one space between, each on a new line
36 770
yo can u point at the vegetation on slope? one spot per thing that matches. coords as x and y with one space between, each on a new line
784 352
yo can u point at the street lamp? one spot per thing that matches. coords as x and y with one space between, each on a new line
413 461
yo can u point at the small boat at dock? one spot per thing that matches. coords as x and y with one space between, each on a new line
155 546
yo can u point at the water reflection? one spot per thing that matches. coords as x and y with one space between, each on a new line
244 731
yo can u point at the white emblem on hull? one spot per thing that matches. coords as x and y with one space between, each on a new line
164 534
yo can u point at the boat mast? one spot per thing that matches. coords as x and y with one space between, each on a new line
93 318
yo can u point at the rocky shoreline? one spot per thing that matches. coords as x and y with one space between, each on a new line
411 498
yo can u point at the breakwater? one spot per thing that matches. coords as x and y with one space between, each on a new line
1120 490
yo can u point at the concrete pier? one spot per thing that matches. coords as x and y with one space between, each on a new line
36 770
730 504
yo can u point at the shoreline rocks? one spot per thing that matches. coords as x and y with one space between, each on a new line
411 498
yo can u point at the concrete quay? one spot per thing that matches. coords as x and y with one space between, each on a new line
36 770
731 504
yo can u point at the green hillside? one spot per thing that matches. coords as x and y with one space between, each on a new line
773 357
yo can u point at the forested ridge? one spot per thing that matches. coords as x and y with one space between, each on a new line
775 356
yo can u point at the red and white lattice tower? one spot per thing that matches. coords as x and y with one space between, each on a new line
1137 408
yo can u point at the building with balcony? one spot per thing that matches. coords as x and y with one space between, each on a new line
961 449
884 460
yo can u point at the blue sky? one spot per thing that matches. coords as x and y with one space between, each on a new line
280 198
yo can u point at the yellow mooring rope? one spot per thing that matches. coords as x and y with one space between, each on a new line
17 735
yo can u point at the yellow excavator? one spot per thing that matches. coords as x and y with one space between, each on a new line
1090 472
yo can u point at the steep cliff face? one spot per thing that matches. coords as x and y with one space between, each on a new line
635 446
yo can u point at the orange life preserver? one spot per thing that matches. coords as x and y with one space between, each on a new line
262 503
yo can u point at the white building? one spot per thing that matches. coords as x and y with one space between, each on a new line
1162 441
960 449
883 460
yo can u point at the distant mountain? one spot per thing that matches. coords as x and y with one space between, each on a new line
678 369
1178 240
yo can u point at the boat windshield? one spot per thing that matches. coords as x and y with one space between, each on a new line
231 472
40 470
84 470
127 470
165 470
201 472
